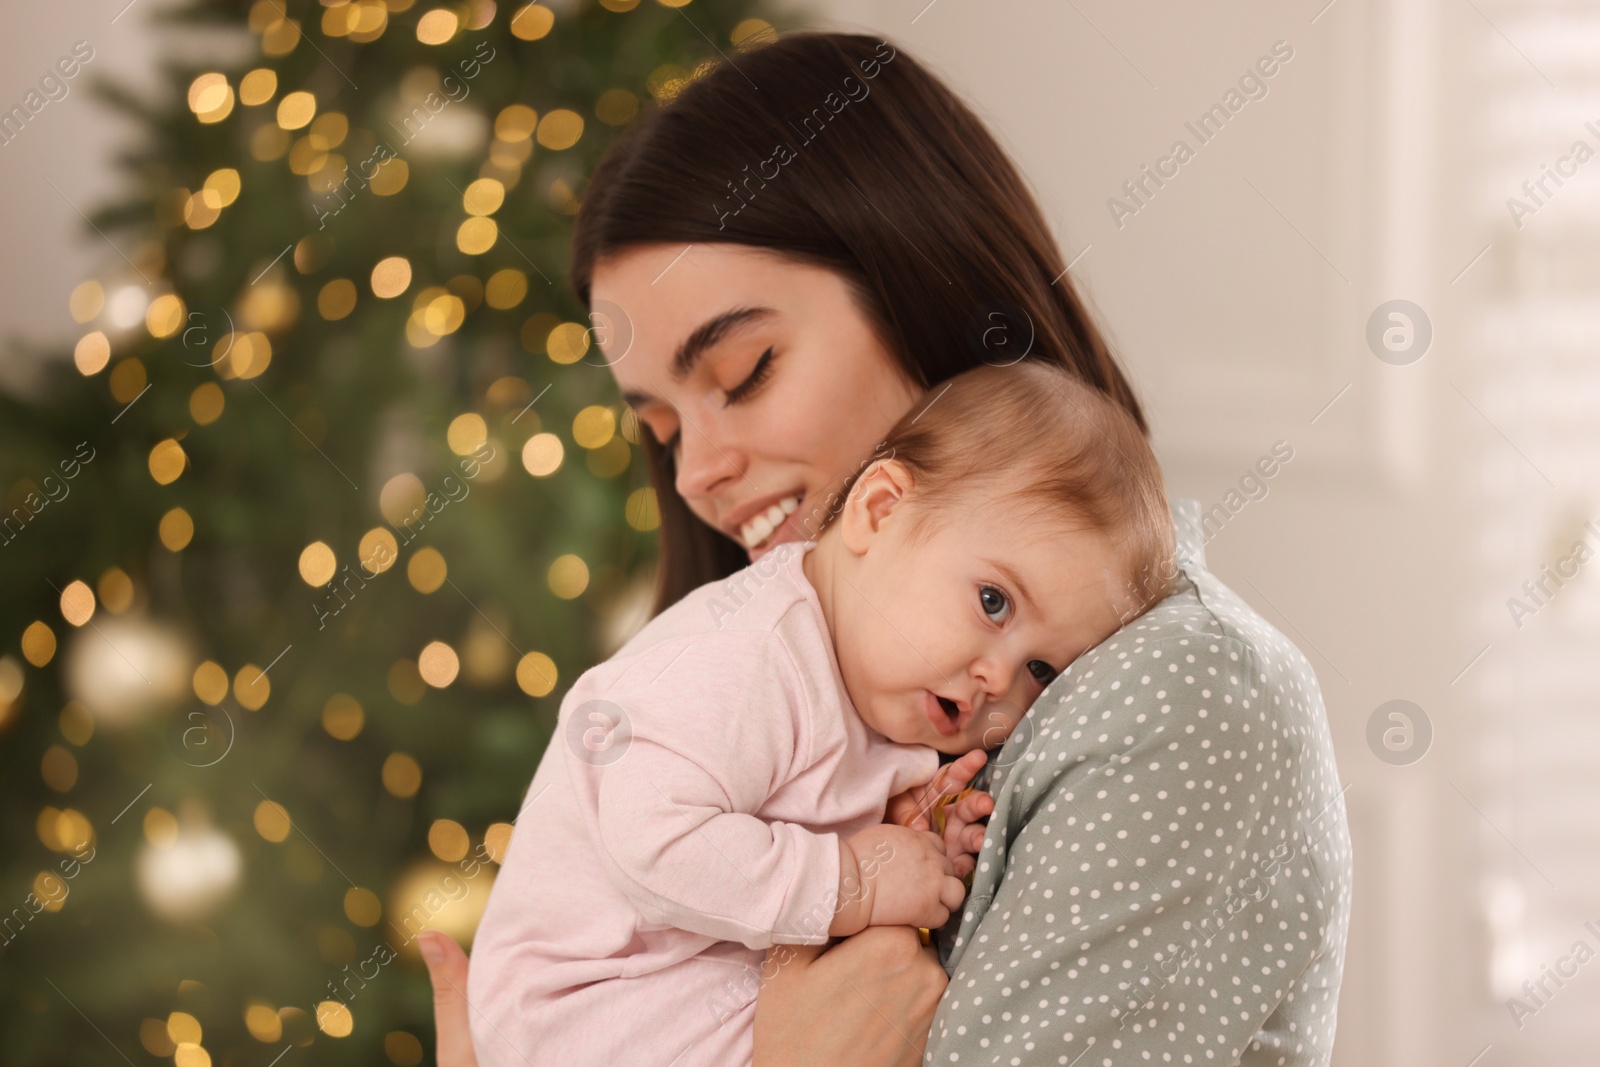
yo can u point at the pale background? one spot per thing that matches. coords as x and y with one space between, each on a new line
1419 498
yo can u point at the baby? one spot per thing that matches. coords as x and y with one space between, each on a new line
720 784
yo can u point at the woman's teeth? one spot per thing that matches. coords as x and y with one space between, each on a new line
755 532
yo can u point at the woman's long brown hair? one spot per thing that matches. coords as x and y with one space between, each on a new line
842 151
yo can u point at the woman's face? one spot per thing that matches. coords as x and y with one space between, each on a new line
760 374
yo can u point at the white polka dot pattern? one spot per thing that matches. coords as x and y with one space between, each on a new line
1166 874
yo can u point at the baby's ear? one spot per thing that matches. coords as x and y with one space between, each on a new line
878 493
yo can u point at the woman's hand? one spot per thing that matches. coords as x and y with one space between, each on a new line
876 991
447 969
963 834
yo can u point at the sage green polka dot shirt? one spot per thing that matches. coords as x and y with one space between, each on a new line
1166 875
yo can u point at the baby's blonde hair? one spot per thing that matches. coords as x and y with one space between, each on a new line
1035 436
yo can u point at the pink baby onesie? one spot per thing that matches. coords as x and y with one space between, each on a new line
684 818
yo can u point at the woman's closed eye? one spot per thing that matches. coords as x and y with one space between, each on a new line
754 380
743 391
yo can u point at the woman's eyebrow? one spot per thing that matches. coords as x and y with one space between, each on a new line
709 332
702 338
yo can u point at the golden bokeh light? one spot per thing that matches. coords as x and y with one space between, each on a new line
496 839
483 197
567 342
208 92
59 769
594 426
280 37
176 530
160 827
616 107
516 122
164 315
426 570
127 381
317 564
77 725
296 110
336 299
532 22
405 683
403 1049
402 777
610 459
362 907
378 550
536 674
225 184
752 33
448 840
257 87
38 643
87 300
641 510
272 822
183 1028
167 460
335 1019
92 353
263 1023
438 664
477 235
251 687
437 26
343 717
391 277
542 454
116 590
206 403
560 129
77 603
505 288
443 314
402 498
211 683
568 576
467 433
391 177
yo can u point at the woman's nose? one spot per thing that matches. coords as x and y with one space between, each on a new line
703 462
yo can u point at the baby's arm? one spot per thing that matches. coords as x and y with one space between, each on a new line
894 876
715 728
679 841
918 808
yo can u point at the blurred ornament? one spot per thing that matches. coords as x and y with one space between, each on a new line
449 897
186 879
125 667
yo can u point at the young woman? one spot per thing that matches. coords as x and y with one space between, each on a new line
779 262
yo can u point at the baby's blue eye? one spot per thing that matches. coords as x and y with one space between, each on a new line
1042 672
995 603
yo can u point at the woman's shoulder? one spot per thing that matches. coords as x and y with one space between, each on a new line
1212 623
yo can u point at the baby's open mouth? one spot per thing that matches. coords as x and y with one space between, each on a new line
942 713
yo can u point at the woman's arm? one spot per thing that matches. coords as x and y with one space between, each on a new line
877 991
447 970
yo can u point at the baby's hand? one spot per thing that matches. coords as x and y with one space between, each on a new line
905 879
963 834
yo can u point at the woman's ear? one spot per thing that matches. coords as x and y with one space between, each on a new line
876 494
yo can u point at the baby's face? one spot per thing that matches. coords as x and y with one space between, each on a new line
948 641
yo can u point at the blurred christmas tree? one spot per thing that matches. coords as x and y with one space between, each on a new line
330 505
